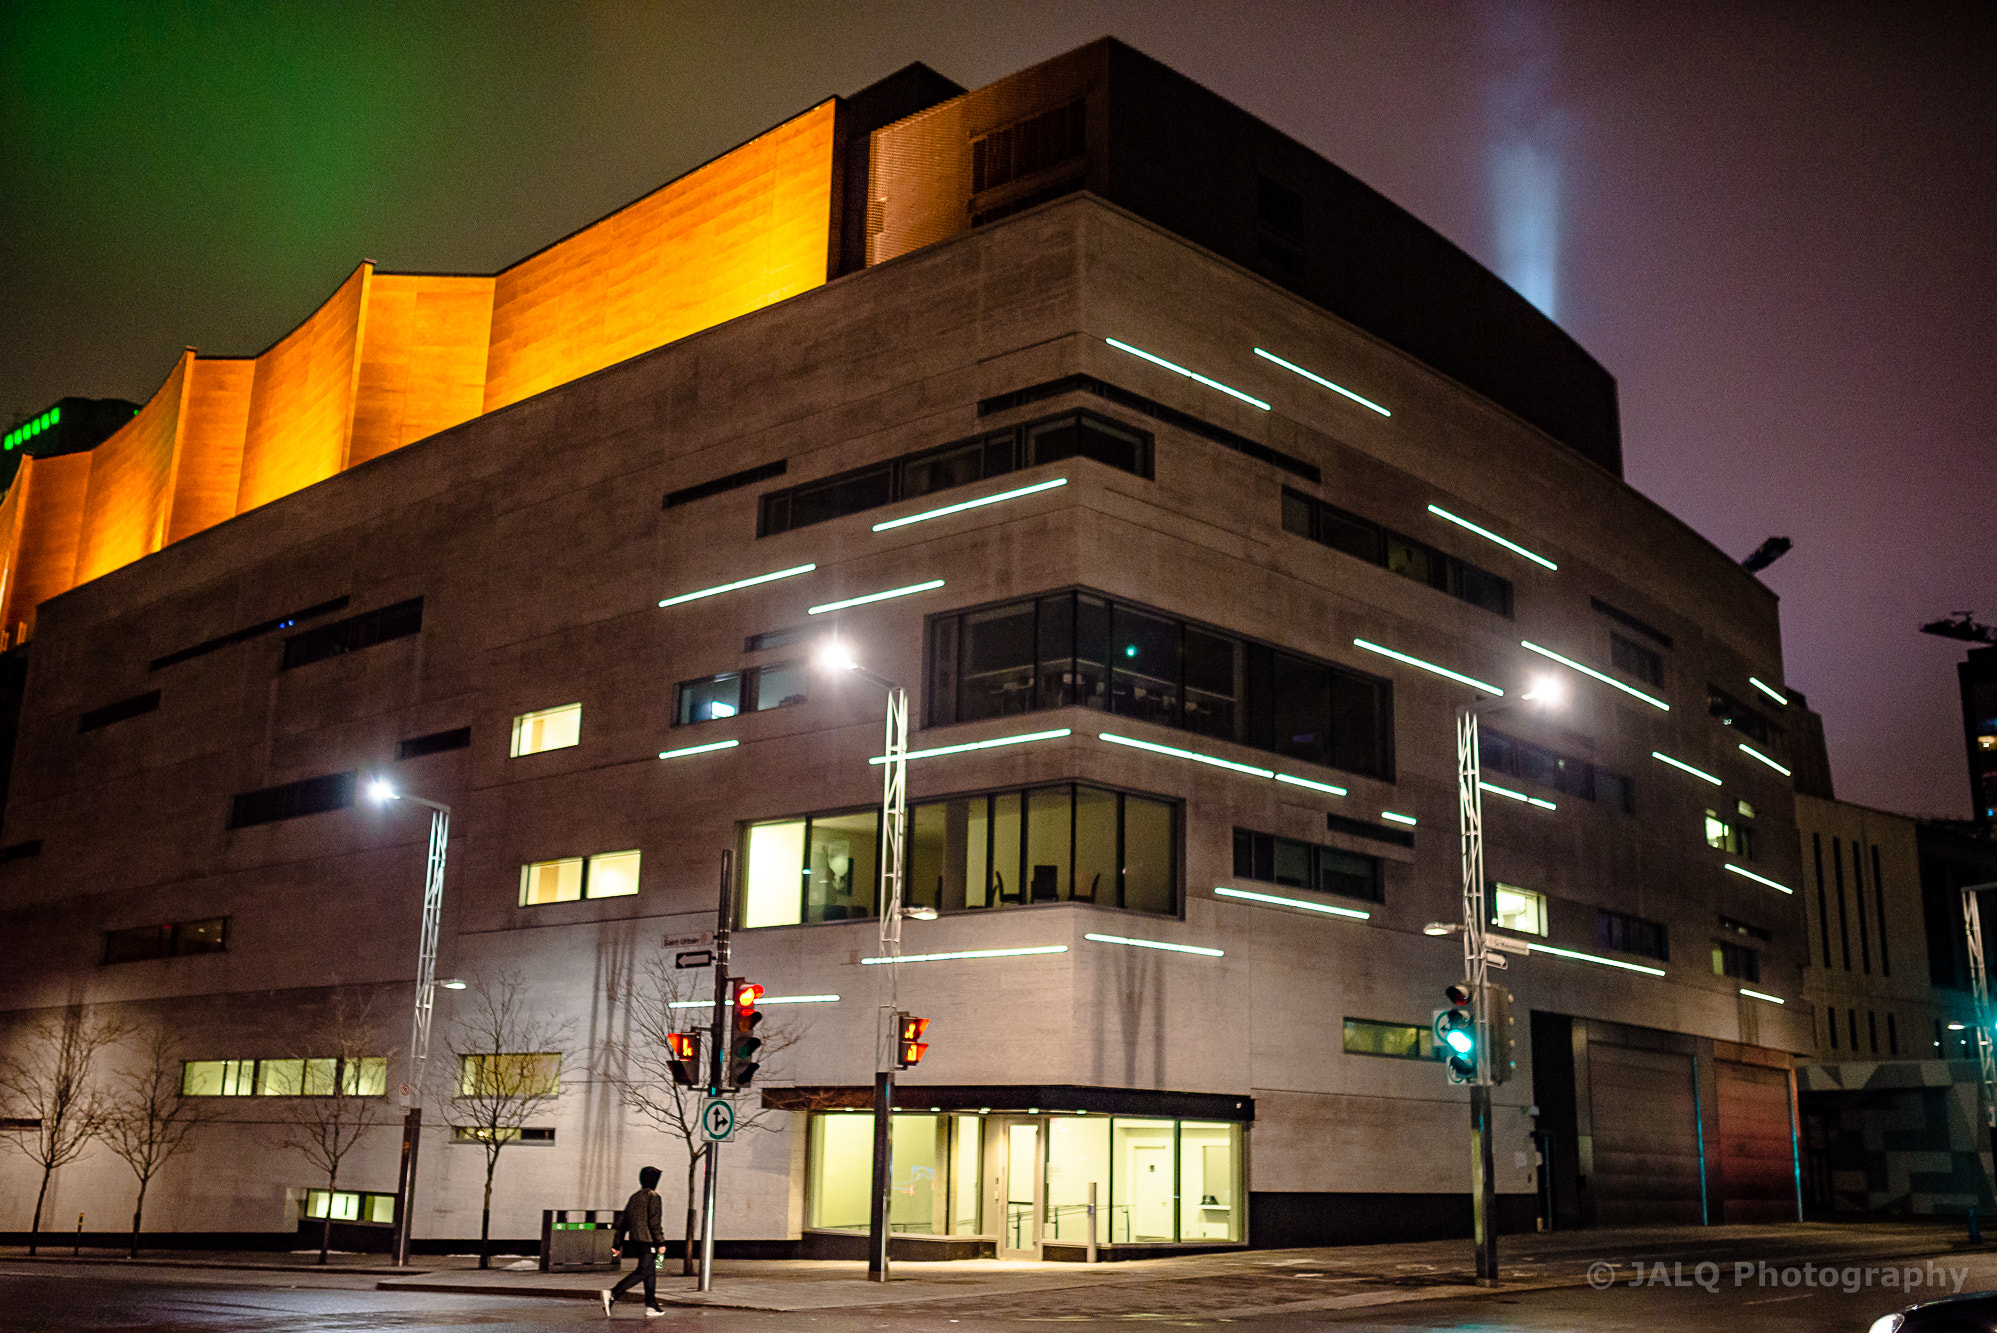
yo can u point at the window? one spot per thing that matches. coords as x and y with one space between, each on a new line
1733 713
1360 828
1366 540
733 481
1070 435
1034 144
1396 1041
1078 649
20 851
772 639
1157 411
1737 961
353 634
1628 621
1632 658
293 800
136 706
351 1206
1744 930
1066 843
487 1134
458 738
249 632
137 943
510 1074
572 878
1633 934
1531 762
752 691
1733 836
1517 909
315 1077
1304 865
549 729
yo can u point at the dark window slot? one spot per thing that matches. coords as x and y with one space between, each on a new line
1293 864
1633 934
1157 411
748 476
253 631
1034 144
1733 713
1360 828
1362 538
1628 621
19 851
1530 761
354 633
436 742
136 706
293 800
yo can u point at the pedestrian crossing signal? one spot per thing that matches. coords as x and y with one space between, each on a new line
685 1058
909 1045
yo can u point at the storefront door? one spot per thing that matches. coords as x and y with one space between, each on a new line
1016 1154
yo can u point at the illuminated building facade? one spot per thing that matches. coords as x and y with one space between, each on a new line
1189 486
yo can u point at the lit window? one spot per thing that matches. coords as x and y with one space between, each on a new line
1737 961
510 1074
1730 836
1986 742
572 878
351 1206
1398 1041
734 692
549 729
1516 909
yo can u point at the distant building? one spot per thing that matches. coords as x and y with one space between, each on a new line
1977 675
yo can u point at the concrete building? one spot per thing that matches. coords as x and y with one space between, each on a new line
1270 482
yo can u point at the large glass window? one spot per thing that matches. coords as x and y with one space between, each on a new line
318 1076
1395 1041
842 1157
1519 910
572 878
1075 648
821 868
1209 1182
1143 1191
1530 761
1331 526
1302 865
753 691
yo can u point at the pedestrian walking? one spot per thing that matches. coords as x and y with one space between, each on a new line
640 1229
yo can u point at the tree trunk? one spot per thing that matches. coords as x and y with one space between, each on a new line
35 1228
687 1265
485 1214
326 1232
138 1210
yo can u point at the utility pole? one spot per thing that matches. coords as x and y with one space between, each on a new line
1477 975
717 1062
1979 978
894 817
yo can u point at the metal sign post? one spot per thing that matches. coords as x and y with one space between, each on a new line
717 1062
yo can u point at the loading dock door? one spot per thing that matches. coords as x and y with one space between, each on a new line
1757 1155
1646 1139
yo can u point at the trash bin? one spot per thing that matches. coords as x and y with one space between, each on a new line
577 1240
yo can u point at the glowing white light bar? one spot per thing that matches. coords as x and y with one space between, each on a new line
1398 817
1662 757
1325 787
979 503
909 591
1491 536
968 746
1772 693
1276 901
738 583
728 1001
1460 679
1762 995
1759 879
1516 795
1193 755
1322 382
1570 663
709 748
1194 376
1753 753
1605 962
968 953
1158 944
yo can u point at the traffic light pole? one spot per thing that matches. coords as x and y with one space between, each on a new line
715 1064
1476 974
894 819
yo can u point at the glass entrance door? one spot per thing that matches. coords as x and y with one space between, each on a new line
1017 1147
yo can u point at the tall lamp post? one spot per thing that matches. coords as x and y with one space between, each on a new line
381 792
835 656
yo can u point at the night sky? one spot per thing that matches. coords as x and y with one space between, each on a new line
1776 225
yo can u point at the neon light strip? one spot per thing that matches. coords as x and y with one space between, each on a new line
1398 818
1774 694
967 953
1325 787
1322 381
1196 757
728 1001
1491 536
1680 763
1569 662
992 744
1158 944
1762 995
1191 375
1753 753
970 504
909 591
1471 681
709 748
1759 879
1516 795
739 583
1275 901
1605 962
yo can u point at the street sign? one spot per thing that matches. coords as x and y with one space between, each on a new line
698 939
717 1120
694 958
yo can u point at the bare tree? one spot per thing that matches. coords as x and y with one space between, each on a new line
147 1121
336 1088
659 1000
47 1081
509 1058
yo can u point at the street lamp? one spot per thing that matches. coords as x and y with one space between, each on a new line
380 791
835 656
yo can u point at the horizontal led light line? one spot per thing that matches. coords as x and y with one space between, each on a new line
1759 879
978 503
1516 795
739 583
1774 694
1459 678
1322 381
1276 901
1324 787
968 953
1753 753
863 600
1398 817
1191 375
1762 995
1158 944
1491 536
728 1001
1570 663
1198 758
1605 962
968 746
1662 757
709 748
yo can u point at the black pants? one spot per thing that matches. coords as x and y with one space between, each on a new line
647 1271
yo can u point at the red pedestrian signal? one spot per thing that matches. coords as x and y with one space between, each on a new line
685 1058
909 1045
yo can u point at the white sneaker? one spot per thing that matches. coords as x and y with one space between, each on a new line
653 1312
604 1296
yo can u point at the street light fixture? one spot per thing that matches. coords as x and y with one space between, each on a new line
380 791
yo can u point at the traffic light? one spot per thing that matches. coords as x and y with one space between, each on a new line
1456 1033
685 1062
1504 1041
909 1047
743 1043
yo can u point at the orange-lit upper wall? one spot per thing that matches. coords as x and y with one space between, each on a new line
52 492
210 468
131 483
422 359
302 403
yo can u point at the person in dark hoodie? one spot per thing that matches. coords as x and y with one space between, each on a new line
640 1230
